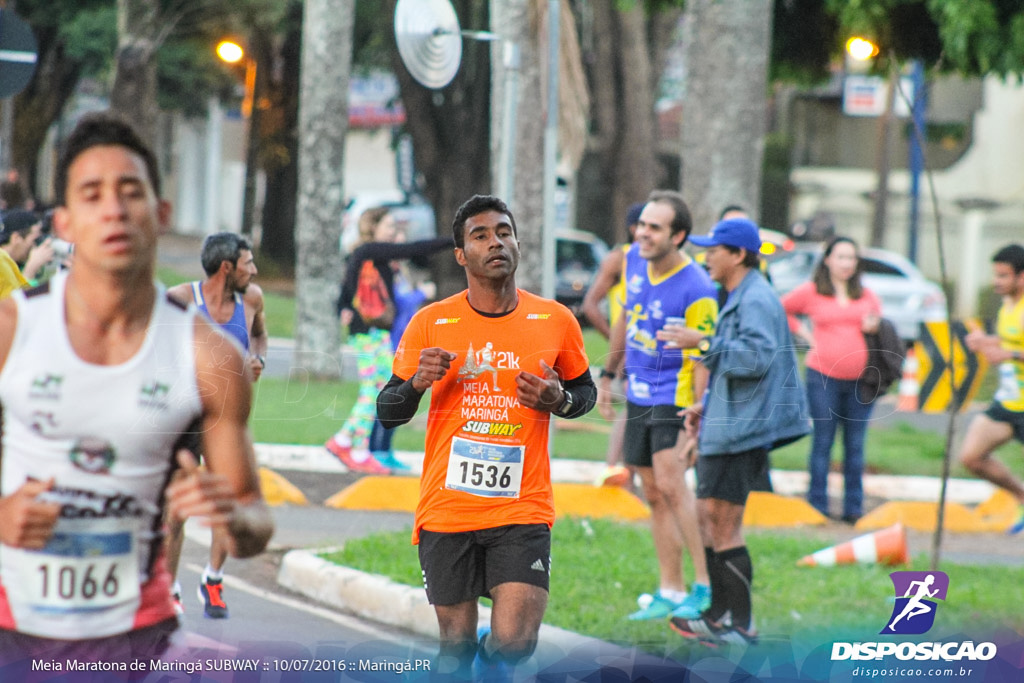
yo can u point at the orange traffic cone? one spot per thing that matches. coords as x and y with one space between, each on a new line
887 546
910 388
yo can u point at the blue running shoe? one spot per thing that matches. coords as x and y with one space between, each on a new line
493 672
695 603
388 459
1018 525
659 608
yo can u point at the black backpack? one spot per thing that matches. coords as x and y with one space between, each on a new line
886 352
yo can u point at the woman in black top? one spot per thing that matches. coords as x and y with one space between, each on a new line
366 305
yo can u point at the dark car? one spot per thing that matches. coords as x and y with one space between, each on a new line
578 255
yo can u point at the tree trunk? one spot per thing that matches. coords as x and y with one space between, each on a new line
634 170
134 91
449 130
725 105
517 20
39 105
280 147
326 68
625 60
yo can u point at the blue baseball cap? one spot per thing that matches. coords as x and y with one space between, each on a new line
734 232
633 214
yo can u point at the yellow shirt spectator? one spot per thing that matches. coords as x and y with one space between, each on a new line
10 275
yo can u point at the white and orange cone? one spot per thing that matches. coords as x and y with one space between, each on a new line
910 387
887 546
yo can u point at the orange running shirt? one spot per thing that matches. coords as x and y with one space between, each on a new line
486 462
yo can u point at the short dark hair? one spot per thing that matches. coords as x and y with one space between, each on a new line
751 260
101 129
729 209
17 222
1012 255
477 204
220 247
682 222
823 281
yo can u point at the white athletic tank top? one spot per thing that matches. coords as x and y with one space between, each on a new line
106 434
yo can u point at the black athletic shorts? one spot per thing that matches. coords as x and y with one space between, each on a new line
17 649
997 412
731 476
462 566
649 429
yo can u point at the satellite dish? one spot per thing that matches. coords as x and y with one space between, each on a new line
429 40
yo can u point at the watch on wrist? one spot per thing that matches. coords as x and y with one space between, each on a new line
607 374
565 408
262 361
704 345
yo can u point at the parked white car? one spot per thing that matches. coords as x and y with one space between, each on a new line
908 297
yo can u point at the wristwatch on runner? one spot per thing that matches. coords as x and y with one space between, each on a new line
566 406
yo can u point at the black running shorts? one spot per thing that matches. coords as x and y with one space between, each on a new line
731 477
649 429
998 413
463 566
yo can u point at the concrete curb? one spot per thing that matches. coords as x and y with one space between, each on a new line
380 599
786 482
369 596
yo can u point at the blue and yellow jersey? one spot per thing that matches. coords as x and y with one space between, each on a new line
1010 328
660 375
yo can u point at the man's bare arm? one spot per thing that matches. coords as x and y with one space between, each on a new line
227 493
607 275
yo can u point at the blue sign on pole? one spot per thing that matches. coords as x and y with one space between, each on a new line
916 162
18 54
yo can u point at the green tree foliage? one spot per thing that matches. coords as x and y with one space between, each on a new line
972 37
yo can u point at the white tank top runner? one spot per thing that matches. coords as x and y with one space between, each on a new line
106 434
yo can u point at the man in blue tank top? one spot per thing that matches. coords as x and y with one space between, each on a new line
229 298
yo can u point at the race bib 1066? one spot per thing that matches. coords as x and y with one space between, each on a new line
80 571
484 469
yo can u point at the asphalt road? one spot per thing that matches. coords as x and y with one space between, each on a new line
280 628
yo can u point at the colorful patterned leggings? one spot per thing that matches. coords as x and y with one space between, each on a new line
373 357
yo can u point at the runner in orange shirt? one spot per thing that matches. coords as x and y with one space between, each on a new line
499 361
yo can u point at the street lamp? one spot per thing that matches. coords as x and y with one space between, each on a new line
861 49
232 52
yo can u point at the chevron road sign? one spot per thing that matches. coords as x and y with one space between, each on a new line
18 54
939 364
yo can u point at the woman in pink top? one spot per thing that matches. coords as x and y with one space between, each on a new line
836 312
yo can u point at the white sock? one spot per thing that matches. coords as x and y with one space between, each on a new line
176 588
211 573
673 595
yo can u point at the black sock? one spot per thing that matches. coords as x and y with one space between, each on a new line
718 605
737 579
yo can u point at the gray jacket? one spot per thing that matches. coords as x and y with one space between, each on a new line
755 397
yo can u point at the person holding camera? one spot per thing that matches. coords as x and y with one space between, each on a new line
25 253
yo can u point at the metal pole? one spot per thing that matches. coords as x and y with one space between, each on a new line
214 145
6 113
916 154
550 153
507 163
251 112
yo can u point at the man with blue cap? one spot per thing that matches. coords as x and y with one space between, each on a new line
754 403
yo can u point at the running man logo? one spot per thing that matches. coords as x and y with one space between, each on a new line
916 595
